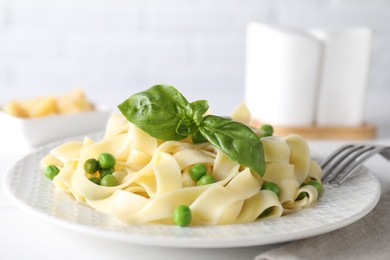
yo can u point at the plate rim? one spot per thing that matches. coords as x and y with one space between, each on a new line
179 241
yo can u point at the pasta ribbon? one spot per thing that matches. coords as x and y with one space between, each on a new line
154 177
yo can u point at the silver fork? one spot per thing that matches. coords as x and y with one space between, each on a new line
343 162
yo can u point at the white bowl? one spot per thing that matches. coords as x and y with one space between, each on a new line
24 134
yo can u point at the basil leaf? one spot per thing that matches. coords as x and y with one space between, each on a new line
164 113
186 127
194 115
237 140
157 111
196 110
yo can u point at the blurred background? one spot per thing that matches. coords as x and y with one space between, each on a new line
114 48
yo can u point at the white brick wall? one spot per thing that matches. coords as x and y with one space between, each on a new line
122 46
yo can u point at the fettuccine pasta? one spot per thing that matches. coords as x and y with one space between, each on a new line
153 177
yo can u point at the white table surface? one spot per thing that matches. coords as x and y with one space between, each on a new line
24 236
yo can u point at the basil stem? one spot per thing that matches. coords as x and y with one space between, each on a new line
198 138
164 113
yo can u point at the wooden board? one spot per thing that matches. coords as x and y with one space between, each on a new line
365 131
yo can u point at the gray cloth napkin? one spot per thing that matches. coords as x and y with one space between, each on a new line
368 238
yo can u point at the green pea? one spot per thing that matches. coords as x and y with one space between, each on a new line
271 186
106 161
267 129
206 179
302 195
109 181
95 180
104 172
266 212
51 171
91 165
197 171
182 216
316 185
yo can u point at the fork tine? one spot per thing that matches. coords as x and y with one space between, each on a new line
335 153
359 161
344 161
352 160
336 158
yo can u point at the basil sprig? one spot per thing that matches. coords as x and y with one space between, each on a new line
164 113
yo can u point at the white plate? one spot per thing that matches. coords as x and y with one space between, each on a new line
338 207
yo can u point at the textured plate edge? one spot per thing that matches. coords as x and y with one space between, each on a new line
163 241
179 242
